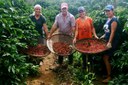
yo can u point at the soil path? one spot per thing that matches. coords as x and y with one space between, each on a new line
47 77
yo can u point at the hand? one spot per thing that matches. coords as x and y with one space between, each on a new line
102 37
109 45
48 36
96 37
74 40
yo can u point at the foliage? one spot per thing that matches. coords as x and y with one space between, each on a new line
120 80
82 77
120 65
121 56
95 9
16 31
126 26
50 14
79 75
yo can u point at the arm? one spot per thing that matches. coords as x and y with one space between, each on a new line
73 24
73 31
113 29
94 32
45 29
53 29
76 33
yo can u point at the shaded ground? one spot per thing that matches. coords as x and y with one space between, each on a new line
49 76
98 81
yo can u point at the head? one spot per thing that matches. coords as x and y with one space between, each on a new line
109 10
64 8
81 11
37 9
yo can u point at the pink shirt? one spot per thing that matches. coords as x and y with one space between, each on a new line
65 25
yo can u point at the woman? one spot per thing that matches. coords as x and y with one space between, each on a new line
84 29
112 35
40 22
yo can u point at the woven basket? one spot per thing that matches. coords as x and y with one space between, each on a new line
63 38
90 45
43 48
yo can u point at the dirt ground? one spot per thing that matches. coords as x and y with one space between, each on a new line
49 77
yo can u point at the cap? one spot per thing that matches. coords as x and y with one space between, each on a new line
64 5
81 9
109 7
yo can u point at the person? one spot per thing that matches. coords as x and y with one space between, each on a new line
65 23
84 29
112 35
40 23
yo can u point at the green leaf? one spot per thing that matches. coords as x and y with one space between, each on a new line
6 54
13 69
12 9
5 11
9 69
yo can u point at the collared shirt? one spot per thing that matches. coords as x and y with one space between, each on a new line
65 24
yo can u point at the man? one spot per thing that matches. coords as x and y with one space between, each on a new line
65 23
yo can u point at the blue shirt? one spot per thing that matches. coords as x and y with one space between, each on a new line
107 30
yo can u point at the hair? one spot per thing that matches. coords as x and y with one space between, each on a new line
37 5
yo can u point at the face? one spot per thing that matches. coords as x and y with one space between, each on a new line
64 10
109 13
82 14
37 11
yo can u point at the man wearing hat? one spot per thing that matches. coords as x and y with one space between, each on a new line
112 35
65 23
